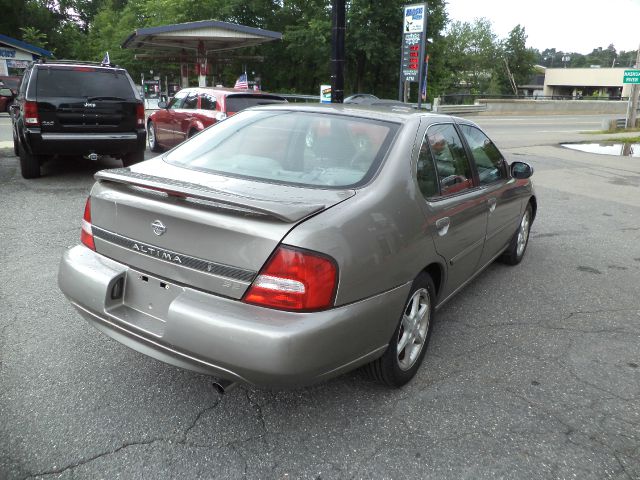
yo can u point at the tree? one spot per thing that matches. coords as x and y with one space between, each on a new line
471 51
518 60
34 36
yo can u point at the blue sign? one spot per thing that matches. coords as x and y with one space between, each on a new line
414 18
6 53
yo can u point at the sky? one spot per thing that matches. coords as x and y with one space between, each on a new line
566 25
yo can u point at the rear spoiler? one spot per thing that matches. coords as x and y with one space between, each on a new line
285 210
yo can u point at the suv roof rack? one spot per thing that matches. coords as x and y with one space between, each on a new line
79 62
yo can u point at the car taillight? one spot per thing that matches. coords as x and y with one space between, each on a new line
31 117
295 279
86 235
140 115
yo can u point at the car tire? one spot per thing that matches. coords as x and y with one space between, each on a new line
514 253
399 363
132 158
152 137
29 164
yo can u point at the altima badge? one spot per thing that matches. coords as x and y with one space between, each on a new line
158 227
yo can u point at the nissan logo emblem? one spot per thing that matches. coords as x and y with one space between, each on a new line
158 227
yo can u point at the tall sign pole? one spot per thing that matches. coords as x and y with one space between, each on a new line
337 50
414 36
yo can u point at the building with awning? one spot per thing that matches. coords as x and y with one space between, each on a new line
195 43
16 55
586 82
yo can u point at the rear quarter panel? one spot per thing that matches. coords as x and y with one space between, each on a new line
380 237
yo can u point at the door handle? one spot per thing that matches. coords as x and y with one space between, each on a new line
492 204
442 224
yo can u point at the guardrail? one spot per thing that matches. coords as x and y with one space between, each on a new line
298 98
469 99
482 107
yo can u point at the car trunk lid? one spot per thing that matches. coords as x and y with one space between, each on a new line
200 229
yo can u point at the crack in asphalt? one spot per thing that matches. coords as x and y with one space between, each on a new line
258 409
245 467
182 441
581 380
623 467
551 326
185 434
569 369
93 458
570 429
3 340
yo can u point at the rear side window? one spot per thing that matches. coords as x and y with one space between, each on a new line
235 103
281 146
207 102
191 102
83 82
488 159
426 171
452 165
24 82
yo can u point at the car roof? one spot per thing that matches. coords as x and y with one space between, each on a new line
393 112
71 66
222 91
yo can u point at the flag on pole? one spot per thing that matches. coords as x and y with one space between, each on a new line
242 82
105 60
423 91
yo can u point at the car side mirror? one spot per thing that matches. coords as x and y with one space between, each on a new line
162 104
521 170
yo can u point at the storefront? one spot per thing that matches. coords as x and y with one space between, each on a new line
586 83
16 55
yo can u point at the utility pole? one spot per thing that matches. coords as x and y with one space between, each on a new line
512 81
632 111
337 50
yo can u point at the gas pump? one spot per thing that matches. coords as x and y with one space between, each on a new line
151 91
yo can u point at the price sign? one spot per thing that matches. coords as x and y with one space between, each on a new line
413 30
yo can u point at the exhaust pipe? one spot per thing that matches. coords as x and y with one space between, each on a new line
224 386
93 157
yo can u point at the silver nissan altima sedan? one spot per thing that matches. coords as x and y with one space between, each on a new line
289 244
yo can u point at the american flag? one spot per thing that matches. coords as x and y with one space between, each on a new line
242 82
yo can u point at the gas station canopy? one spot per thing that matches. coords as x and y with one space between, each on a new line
203 38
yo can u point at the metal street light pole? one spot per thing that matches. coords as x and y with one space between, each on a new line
337 50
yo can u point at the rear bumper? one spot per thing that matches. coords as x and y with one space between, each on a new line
117 143
227 338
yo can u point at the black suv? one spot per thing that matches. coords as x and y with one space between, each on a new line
65 108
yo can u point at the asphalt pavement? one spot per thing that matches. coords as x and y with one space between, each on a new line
532 372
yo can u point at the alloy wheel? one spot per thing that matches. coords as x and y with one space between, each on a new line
523 233
413 329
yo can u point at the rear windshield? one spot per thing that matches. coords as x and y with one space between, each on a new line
303 148
235 103
84 82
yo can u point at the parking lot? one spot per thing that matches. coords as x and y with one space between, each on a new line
533 371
